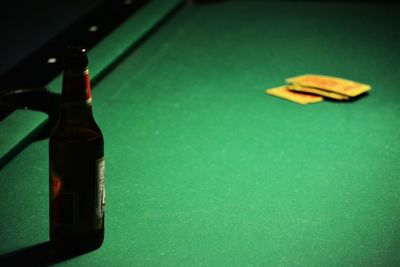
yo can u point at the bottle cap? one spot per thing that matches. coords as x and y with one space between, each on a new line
75 59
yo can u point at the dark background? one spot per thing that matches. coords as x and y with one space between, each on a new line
27 25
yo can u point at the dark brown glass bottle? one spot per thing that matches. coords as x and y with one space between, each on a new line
76 159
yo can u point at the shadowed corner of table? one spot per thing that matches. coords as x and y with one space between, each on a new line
42 254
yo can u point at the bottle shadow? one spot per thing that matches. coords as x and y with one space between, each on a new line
42 254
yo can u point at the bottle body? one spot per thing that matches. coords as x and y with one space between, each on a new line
77 195
76 169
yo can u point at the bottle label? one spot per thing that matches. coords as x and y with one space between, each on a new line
101 194
62 203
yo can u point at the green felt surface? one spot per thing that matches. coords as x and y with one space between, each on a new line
204 169
17 132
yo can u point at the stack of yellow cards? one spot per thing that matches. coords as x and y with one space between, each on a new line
311 88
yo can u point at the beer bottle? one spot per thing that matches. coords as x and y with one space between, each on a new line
76 163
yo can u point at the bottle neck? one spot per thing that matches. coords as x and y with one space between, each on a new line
76 87
76 103
76 114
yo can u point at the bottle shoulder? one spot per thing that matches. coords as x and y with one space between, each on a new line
71 144
76 134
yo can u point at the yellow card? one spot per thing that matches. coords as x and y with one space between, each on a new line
316 91
300 98
334 84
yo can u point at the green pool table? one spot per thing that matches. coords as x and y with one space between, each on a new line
203 168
